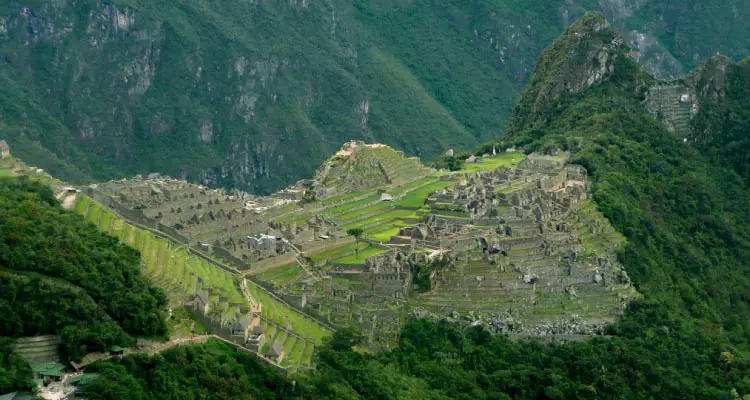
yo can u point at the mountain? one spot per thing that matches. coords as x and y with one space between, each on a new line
255 94
722 124
682 208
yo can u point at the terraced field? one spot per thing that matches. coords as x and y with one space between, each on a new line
380 220
181 275
173 269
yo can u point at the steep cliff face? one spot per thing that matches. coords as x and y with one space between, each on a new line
672 37
256 94
586 54
722 124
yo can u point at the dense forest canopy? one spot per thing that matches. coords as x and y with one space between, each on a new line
59 274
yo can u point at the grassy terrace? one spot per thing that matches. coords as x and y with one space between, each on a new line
509 159
355 259
602 242
171 267
281 315
282 275
333 252
370 223
180 274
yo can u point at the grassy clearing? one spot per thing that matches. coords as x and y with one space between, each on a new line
336 251
360 258
385 235
381 219
508 159
417 197
365 211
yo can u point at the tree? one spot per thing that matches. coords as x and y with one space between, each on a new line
357 233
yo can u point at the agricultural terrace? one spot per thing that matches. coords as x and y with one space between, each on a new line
380 220
181 275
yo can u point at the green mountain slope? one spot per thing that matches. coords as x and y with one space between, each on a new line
684 216
59 275
722 126
256 94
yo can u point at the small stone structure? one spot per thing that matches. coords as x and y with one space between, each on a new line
4 149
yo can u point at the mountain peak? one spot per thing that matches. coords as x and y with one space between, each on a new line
584 55
358 165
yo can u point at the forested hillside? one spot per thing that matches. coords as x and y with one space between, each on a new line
59 275
256 94
722 127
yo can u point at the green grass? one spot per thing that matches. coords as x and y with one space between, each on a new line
282 275
416 198
344 197
385 235
336 251
348 206
397 191
105 221
382 218
504 159
307 355
82 203
296 352
93 214
365 211
279 313
361 257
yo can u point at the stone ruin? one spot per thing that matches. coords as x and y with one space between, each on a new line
530 251
519 249
234 225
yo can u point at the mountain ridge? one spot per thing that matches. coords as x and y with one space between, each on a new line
224 93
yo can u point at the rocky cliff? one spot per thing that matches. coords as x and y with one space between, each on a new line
256 94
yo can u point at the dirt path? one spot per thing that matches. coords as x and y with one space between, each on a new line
69 202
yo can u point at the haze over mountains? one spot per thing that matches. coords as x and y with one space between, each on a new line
255 94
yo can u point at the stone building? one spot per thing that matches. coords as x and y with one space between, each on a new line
257 338
276 352
4 149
